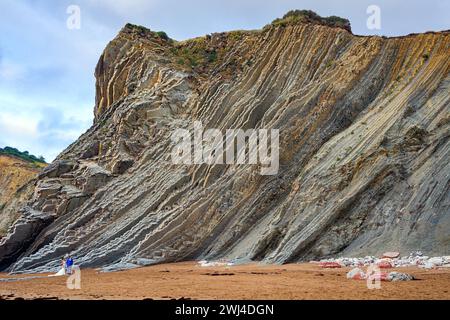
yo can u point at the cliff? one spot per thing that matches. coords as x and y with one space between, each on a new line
14 174
364 149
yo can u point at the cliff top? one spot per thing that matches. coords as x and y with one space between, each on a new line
292 17
307 16
201 53
24 156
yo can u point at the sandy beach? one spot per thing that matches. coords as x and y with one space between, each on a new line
188 280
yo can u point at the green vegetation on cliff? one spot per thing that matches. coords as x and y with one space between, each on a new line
143 31
308 16
22 155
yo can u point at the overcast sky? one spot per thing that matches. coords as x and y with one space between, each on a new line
46 69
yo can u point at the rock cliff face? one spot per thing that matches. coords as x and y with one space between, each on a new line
15 173
364 150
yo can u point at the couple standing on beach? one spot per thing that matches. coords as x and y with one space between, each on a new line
67 264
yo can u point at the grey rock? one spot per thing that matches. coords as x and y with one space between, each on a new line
398 276
361 170
57 168
120 166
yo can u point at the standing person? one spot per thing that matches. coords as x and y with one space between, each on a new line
69 264
63 266
66 258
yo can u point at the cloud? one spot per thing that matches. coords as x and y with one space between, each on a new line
11 125
56 131
39 127
121 7
11 71
46 134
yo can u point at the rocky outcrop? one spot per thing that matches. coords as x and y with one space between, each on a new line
364 148
15 173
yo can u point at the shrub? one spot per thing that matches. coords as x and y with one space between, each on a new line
163 35
26 156
298 16
194 53
212 57
139 29
235 35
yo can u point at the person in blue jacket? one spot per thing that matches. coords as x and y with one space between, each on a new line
69 265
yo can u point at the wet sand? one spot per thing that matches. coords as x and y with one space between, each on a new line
190 281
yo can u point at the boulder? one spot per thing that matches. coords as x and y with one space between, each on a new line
391 255
437 261
91 150
93 178
57 168
384 265
330 265
428 265
399 276
356 274
47 189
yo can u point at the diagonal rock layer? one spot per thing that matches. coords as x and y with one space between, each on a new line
364 152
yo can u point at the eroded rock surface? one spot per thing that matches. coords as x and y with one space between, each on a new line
15 173
364 149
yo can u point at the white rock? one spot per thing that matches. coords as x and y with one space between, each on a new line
356 273
437 261
428 265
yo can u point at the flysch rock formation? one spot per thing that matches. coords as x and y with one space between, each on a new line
364 153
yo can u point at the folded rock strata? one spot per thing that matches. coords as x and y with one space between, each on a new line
364 149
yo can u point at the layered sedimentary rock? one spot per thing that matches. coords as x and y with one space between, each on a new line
364 149
15 173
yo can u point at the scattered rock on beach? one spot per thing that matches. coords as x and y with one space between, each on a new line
356 274
413 259
399 276
384 265
391 255
330 265
359 274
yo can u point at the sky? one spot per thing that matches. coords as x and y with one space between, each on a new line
47 84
